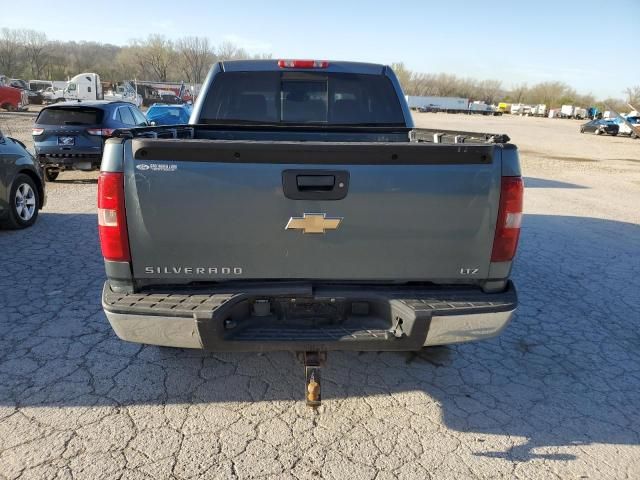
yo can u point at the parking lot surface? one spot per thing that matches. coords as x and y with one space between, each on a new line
555 396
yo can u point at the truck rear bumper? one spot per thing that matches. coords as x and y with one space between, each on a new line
350 318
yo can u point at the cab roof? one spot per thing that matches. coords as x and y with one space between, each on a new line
272 65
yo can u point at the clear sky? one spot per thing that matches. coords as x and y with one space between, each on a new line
590 44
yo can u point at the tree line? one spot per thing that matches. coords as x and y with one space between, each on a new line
551 93
29 54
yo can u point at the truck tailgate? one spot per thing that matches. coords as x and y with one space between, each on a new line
201 210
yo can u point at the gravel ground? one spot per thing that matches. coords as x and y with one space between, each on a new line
556 396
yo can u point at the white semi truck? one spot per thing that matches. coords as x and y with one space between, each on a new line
87 86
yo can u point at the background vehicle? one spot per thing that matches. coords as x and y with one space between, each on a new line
151 92
85 86
53 95
438 104
33 96
13 99
161 114
580 113
539 110
599 127
567 111
123 91
516 108
71 135
39 85
629 125
504 107
22 192
302 201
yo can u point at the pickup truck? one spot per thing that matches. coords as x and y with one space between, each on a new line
301 210
13 99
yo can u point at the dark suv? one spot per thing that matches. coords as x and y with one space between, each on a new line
71 135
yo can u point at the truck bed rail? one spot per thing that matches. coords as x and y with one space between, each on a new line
420 135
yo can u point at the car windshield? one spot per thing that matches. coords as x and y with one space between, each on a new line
71 115
303 98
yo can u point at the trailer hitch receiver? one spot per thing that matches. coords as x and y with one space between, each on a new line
313 362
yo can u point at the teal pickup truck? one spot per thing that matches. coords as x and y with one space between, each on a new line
301 210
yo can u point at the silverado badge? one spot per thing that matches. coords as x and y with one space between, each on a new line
313 223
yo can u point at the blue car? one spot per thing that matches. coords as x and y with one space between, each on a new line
71 135
163 114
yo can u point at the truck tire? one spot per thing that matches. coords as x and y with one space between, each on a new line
24 203
51 175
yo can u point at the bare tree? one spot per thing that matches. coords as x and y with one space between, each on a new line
35 47
230 51
404 75
490 91
633 95
196 55
160 56
11 46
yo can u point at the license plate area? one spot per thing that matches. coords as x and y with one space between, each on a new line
66 140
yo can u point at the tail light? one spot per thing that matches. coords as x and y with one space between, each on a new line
102 132
303 63
37 131
509 219
112 222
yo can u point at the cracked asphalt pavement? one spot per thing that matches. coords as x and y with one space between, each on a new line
555 396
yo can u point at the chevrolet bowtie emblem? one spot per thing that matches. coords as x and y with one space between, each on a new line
313 223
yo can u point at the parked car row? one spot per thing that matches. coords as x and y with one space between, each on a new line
71 135
67 136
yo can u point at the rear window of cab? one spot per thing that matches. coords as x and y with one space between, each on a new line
302 97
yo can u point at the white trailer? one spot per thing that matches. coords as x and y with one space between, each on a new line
539 110
567 111
437 104
580 113
516 108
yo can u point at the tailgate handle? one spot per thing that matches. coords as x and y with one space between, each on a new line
315 182
307 184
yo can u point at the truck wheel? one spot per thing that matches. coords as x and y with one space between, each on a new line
51 175
23 203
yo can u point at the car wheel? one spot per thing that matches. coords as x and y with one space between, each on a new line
614 134
597 131
51 175
582 130
24 202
